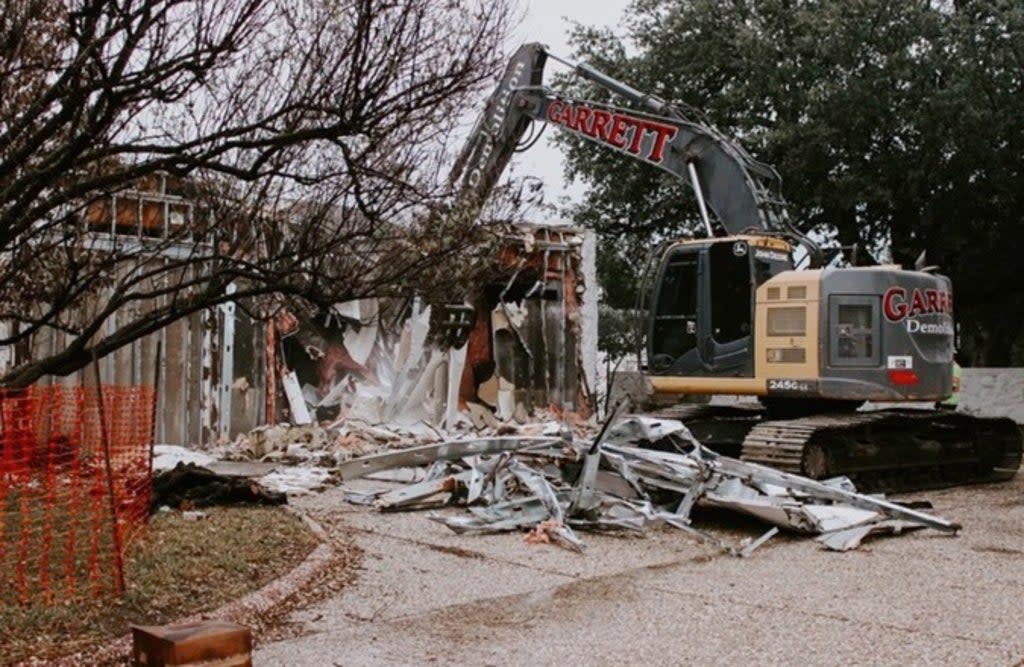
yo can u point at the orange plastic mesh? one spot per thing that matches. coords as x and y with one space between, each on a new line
74 491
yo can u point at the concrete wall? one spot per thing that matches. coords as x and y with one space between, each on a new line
993 392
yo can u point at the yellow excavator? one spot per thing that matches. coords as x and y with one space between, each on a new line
730 314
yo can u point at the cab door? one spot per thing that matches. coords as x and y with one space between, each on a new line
703 307
673 334
728 303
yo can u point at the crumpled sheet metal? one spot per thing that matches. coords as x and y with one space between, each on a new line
850 538
610 484
640 429
428 493
444 451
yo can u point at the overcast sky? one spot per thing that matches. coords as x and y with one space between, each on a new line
548 21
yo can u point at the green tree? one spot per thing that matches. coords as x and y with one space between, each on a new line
896 126
972 215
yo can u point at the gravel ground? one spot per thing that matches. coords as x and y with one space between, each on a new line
425 595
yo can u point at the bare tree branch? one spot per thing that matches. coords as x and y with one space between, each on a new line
300 142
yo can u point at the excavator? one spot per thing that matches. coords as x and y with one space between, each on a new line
731 314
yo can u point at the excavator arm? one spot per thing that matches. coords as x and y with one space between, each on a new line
498 130
742 194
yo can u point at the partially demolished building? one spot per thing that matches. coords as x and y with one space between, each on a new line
525 343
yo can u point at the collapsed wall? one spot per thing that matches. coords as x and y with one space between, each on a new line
520 345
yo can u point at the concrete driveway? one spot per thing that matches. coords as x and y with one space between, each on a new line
427 595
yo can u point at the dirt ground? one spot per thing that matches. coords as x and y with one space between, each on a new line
427 595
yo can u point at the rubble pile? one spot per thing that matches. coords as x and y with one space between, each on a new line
307 444
636 473
297 459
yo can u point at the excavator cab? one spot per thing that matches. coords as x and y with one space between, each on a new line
702 305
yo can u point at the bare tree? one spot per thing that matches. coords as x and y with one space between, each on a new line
303 142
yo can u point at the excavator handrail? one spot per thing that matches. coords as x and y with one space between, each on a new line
644 297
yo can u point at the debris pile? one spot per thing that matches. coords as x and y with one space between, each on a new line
187 486
307 444
302 458
636 473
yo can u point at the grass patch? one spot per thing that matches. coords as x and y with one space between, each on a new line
176 568
56 541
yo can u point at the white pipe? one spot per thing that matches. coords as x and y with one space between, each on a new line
695 182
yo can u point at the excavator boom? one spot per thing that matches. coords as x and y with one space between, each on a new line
498 130
744 195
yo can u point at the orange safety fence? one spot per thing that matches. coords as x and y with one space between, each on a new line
74 489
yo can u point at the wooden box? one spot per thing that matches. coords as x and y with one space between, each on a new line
206 642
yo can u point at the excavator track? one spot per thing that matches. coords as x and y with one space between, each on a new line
890 450
884 450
